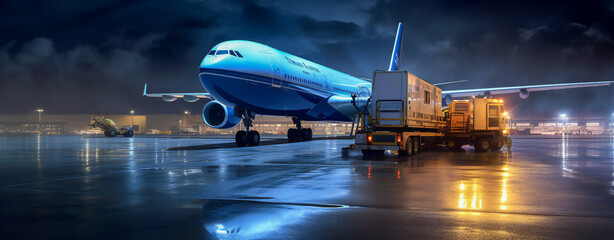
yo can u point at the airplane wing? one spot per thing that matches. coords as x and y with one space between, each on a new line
169 97
522 90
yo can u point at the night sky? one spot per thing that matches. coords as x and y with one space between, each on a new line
94 56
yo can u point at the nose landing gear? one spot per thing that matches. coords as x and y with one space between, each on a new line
247 137
299 133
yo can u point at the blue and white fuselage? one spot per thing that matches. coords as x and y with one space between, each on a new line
272 82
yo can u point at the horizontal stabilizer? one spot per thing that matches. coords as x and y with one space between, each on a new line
169 97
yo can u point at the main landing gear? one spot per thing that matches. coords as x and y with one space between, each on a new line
299 133
247 137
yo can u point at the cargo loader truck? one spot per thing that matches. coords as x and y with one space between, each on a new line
405 115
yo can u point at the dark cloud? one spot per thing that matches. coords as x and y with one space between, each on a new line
76 56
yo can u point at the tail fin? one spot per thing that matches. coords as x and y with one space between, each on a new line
396 51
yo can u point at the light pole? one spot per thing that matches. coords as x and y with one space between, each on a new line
40 111
132 116
564 119
187 121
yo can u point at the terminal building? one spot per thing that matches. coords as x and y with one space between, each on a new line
267 125
152 124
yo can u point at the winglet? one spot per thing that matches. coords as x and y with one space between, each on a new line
145 90
396 50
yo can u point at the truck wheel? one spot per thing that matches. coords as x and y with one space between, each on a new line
129 133
482 145
416 146
497 144
112 133
453 144
409 147
508 142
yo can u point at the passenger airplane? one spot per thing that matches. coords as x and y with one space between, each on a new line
246 78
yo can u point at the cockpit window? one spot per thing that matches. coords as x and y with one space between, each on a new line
221 52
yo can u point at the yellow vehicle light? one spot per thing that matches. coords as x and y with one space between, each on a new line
504 131
505 114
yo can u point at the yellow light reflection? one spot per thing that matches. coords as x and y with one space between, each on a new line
471 193
476 196
504 188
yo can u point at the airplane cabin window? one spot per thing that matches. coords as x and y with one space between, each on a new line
232 52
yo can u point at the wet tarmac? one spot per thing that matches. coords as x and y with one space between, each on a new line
124 188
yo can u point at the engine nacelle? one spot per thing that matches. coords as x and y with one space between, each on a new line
524 93
217 115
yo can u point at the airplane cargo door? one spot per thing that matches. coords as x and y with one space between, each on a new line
275 72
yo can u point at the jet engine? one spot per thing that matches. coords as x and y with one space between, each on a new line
524 93
217 115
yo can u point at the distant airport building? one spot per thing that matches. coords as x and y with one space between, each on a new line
267 125
152 124
560 125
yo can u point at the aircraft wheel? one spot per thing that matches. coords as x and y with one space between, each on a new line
293 135
306 134
253 138
309 134
129 133
482 145
497 144
112 133
241 138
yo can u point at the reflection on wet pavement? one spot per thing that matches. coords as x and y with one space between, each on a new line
79 187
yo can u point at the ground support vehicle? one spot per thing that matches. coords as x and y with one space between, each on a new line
481 122
404 114
109 128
